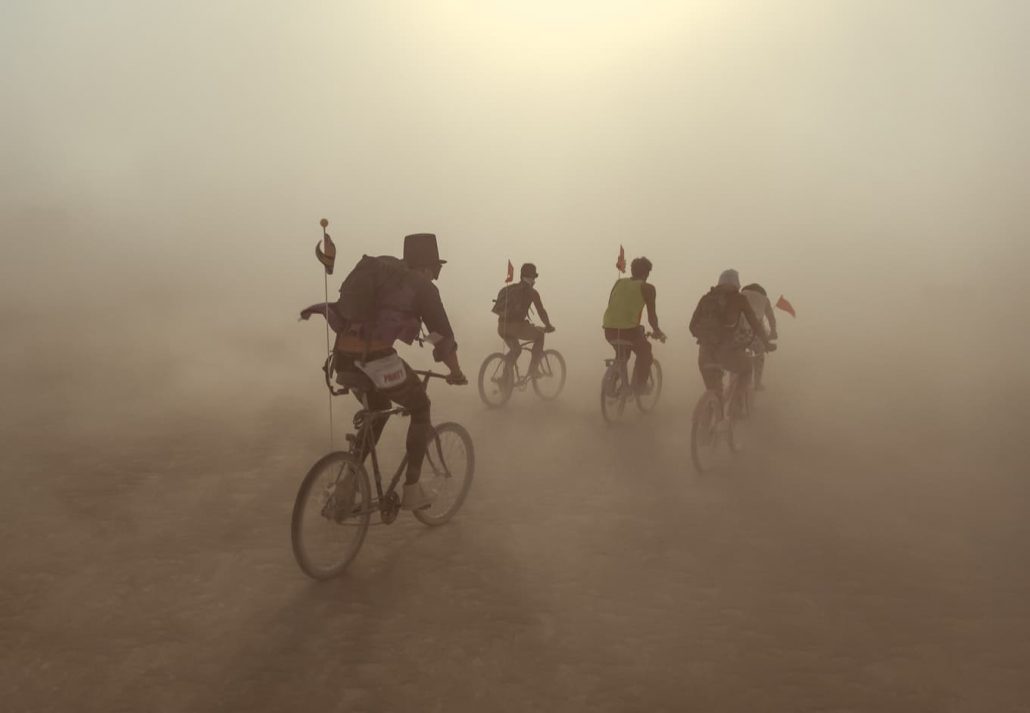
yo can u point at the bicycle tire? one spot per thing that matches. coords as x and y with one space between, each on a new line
493 390
704 438
551 357
613 395
442 463
360 509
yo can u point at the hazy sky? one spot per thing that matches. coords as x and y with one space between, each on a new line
816 143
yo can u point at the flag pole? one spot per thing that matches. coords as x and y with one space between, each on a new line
328 349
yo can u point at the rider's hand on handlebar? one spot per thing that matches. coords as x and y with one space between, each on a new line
659 335
456 378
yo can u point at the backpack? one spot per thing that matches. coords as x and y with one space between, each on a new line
512 302
364 288
708 324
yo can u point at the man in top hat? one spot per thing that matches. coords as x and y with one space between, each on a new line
406 300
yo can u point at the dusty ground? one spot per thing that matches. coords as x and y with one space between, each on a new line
853 559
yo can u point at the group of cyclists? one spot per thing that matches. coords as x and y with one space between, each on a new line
385 300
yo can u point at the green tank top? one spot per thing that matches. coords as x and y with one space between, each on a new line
626 304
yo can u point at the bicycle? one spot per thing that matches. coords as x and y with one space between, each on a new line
722 420
343 506
617 388
500 374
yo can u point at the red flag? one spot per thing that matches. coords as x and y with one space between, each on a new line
786 306
620 264
326 253
511 273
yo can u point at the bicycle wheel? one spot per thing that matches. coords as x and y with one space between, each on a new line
647 401
447 474
331 515
613 395
496 380
707 432
551 379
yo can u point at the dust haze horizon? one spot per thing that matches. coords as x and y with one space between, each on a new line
164 169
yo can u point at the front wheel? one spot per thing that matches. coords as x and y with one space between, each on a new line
550 379
447 474
331 515
496 380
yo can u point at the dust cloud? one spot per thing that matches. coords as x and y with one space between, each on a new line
163 173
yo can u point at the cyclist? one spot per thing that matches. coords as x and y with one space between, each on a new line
763 309
367 347
626 303
512 310
716 325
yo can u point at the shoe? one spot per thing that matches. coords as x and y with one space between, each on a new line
415 498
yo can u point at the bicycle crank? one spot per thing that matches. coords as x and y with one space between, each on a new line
389 508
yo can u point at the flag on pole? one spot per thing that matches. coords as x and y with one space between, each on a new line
326 253
511 273
786 306
620 264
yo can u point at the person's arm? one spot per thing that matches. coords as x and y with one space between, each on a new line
324 309
539 306
752 319
771 316
434 316
650 298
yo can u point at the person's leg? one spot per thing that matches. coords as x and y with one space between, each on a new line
509 333
527 331
412 396
711 370
738 362
642 349
759 369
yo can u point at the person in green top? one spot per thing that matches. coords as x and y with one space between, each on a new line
626 303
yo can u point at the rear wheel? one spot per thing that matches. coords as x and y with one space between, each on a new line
551 375
331 515
648 400
496 380
613 394
447 474
707 433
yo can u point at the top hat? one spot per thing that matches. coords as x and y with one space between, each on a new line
420 250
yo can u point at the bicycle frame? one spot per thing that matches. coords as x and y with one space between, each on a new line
623 352
512 358
364 440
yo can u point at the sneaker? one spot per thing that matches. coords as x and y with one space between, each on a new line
415 498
